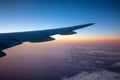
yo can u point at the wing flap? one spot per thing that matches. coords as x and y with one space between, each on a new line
10 43
2 54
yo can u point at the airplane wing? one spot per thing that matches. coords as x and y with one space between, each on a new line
8 40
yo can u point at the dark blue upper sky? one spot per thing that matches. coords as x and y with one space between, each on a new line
24 15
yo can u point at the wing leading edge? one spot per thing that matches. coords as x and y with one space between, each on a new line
8 40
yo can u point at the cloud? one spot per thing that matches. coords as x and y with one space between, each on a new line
96 75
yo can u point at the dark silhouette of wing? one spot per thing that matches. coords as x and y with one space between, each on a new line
8 40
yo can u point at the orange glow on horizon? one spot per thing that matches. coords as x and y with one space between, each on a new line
88 39
83 39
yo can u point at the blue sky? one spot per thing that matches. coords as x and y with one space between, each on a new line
25 15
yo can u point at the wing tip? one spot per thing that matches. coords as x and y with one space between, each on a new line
89 24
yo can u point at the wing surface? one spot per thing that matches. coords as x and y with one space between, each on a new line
8 40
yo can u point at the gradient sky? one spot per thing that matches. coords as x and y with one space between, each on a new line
25 15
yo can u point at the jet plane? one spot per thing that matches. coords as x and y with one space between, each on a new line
8 40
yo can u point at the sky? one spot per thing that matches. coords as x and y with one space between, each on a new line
28 15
